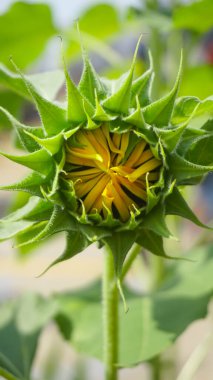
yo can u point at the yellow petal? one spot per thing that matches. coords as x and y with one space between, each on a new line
136 154
96 191
147 167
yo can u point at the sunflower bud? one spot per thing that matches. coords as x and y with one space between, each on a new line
109 175
107 166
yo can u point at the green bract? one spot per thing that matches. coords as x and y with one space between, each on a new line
107 165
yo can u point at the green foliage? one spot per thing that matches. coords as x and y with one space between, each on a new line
30 27
150 327
197 81
21 322
151 324
196 16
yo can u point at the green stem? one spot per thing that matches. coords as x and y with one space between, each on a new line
110 317
156 368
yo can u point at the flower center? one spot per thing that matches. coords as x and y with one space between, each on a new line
109 171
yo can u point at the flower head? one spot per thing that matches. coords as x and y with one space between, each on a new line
108 177
107 165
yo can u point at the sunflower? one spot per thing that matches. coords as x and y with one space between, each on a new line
107 164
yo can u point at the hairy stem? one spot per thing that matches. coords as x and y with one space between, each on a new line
110 317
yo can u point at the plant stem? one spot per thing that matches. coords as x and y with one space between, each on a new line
110 317
156 368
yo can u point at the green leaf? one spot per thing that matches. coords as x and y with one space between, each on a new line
152 242
200 151
183 170
13 103
176 205
47 83
151 325
196 16
40 161
16 359
187 107
120 244
191 85
160 111
25 36
184 109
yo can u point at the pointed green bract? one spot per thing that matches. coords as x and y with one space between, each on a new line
31 184
119 101
152 242
155 221
159 113
176 205
51 144
90 82
183 170
75 101
136 118
76 242
141 87
39 161
53 117
170 136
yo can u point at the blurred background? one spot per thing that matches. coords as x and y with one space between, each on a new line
110 29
